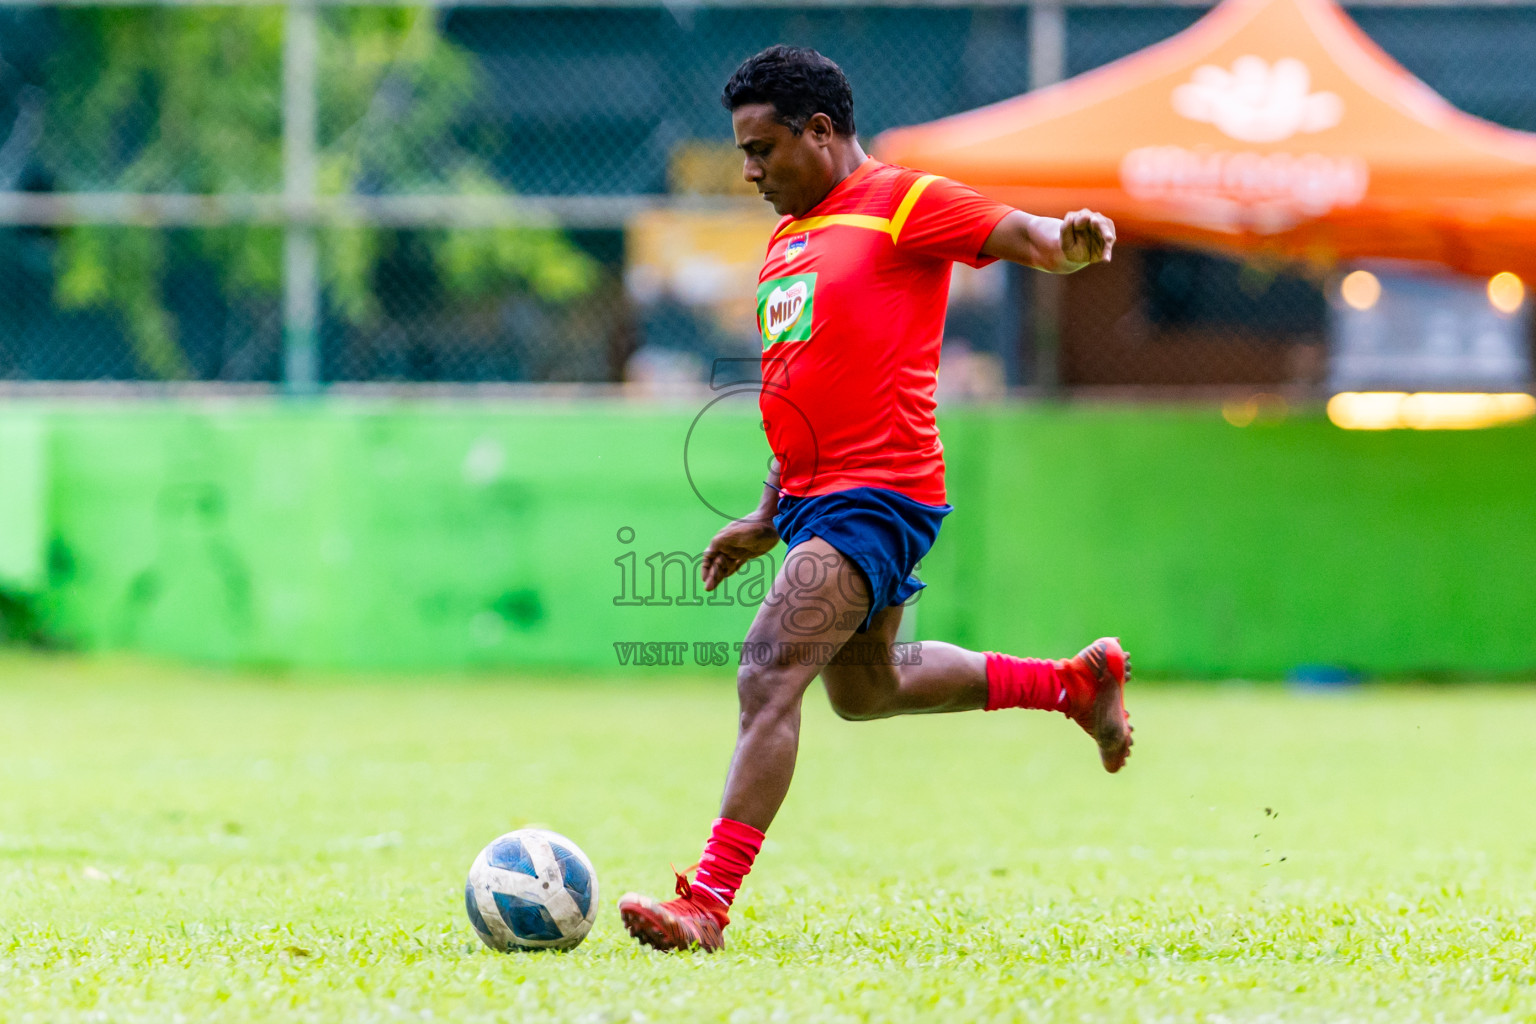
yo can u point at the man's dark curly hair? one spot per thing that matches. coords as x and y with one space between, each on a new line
798 82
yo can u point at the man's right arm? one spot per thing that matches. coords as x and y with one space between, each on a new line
768 504
742 540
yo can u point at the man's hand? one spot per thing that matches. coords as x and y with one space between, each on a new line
1087 237
1054 246
738 543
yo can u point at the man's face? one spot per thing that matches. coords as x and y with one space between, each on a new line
793 172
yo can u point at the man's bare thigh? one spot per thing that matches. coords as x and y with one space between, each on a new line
817 600
867 661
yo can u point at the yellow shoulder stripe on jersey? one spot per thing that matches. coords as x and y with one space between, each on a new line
853 220
907 202
891 226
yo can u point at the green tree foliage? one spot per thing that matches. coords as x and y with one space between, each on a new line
190 100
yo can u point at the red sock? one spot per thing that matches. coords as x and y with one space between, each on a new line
1023 683
727 858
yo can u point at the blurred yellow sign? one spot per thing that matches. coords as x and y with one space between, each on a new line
707 258
708 169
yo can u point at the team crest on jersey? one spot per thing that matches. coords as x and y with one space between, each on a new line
795 247
785 308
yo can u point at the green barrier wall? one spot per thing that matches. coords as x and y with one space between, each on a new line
23 508
420 536
1217 551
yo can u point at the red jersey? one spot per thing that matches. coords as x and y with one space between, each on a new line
850 305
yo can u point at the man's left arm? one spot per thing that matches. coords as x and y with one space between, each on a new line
1057 246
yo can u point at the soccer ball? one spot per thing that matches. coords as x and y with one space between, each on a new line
531 889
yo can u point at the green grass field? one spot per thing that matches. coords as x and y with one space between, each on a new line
185 845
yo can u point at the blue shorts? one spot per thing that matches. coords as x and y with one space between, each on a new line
884 533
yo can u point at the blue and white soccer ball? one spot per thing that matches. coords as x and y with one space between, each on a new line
531 889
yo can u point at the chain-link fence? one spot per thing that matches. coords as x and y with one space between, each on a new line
571 124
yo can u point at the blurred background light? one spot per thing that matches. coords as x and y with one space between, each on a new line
1506 292
1366 410
1258 408
1240 413
1427 410
1360 289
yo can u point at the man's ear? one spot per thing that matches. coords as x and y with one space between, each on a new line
819 128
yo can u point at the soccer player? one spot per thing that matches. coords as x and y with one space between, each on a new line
851 303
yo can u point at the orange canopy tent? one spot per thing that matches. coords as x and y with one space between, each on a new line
1269 125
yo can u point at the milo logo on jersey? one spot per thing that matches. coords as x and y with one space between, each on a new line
784 308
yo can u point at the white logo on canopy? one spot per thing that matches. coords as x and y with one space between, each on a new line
1257 101
1242 189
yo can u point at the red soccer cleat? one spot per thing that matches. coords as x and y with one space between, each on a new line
1096 681
693 919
